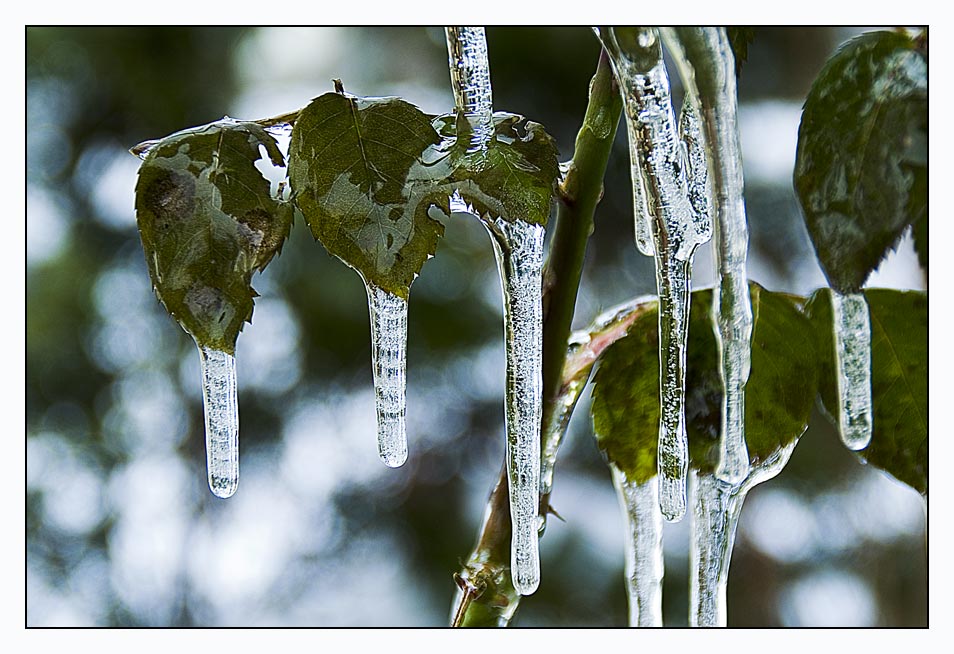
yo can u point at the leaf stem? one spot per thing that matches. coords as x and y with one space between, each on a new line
484 581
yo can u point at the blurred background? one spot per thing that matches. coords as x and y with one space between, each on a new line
122 529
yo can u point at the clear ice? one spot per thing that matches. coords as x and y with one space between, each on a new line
666 186
389 360
644 548
852 325
220 400
470 79
716 507
732 313
519 251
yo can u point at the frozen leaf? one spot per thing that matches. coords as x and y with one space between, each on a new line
208 220
861 165
898 379
513 177
350 167
779 400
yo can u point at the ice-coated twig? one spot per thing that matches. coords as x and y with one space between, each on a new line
706 65
389 364
852 336
220 401
519 250
470 80
644 548
716 507
666 185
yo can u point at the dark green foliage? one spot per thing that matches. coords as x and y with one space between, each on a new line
208 221
898 379
739 39
512 178
861 166
350 163
779 396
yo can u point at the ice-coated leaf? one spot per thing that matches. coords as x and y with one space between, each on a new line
899 348
513 177
208 220
780 396
350 167
861 164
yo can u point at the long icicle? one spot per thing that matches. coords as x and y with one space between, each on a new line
663 184
706 65
220 402
389 366
519 251
716 507
644 548
852 337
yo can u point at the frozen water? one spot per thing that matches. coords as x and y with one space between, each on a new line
220 399
716 507
852 326
644 549
470 79
519 250
389 361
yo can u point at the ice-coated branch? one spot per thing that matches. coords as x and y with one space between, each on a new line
666 182
706 65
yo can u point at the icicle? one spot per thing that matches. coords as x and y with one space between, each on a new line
852 326
389 360
470 80
665 193
644 549
717 103
716 507
642 219
220 399
519 250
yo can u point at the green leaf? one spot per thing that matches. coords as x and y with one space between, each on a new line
861 164
350 165
512 178
208 221
739 40
779 395
899 360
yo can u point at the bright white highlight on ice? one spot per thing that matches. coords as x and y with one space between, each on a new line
220 399
852 326
389 364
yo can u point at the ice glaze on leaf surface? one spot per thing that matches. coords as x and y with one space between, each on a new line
861 164
207 220
899 349
350 167
779 399
512 178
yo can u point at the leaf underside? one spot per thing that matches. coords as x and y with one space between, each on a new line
208 220
861 163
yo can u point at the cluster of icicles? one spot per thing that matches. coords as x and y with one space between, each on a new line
683 175
685 178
